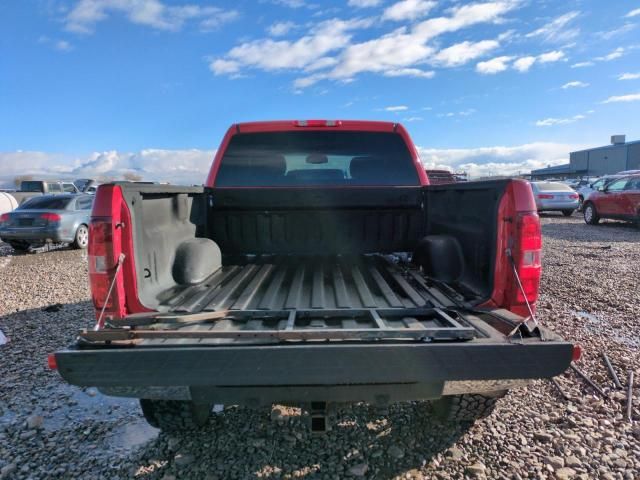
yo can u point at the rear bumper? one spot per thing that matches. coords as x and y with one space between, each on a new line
32 234
332 372
546 206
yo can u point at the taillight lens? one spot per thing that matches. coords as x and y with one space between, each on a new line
4 217
527 258
51 217
573 196
545 196
102 267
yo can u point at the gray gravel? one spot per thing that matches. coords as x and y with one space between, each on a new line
591 293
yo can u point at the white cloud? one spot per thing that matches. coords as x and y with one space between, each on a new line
175 166
493 66
60 45
396 108
408 10
152 13
633 97
553 56
633 13
291 3
395 53
523 64
617 53
268 54
549 122
279 29
629 76
574 84
191 166
412 119
498 160
63 46
463 113
583 64
463 52
409 72
609 34
364 3
557 30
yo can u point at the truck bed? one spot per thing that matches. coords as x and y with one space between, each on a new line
307 283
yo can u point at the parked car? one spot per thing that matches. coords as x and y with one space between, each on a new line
48 219
555 196
36 188
289 286
440 177
619 200
587 190
578 183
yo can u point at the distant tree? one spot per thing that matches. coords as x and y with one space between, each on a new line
132 177
21 178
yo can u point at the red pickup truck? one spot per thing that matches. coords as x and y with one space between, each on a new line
315 266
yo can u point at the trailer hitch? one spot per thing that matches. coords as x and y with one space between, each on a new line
321 416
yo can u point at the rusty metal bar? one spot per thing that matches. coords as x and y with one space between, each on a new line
630 396
590 382
299 334
612 372
556 384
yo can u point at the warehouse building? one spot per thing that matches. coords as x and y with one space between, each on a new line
595 162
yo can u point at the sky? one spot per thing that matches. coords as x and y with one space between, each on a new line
100 87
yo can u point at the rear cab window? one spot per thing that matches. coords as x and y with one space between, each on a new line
301 158
44 203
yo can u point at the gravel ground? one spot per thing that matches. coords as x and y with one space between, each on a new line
590 293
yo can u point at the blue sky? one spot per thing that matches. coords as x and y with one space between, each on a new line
98 87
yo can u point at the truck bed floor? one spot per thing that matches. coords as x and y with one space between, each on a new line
304 283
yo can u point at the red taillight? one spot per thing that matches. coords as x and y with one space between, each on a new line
51 361
102 262
4 217
573 196
577 353
545 196
51 217
527 260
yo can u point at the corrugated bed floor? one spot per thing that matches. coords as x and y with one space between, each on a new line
280 283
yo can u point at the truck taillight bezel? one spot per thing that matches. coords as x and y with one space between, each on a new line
527 258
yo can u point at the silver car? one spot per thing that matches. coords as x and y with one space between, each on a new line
555 196
48 219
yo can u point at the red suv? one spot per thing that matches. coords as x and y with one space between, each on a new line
619 200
